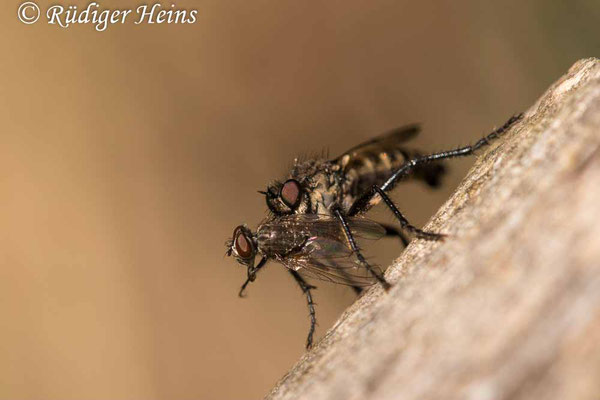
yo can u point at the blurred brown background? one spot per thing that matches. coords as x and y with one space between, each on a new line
127 157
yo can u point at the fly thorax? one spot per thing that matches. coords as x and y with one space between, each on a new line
321 183
274 239
325 192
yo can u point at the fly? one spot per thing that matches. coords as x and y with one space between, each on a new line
309 245
321 196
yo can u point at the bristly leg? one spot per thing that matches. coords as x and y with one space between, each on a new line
402 219
364 202
392 231
306 288
357 252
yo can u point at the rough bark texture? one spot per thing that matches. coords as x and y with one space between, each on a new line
509 305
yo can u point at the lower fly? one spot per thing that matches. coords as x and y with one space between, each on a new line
308 245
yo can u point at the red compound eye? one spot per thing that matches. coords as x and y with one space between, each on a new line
291 193
243 245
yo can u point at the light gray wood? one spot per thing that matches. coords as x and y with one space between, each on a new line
509 305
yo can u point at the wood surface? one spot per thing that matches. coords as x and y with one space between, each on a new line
508 306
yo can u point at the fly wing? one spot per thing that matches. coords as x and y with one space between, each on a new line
366 229
388 140
340 270
324 226
326 254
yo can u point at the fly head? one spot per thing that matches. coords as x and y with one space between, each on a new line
243 247
289 197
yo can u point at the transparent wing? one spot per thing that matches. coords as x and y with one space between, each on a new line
340 270
326 226
389 139
326 254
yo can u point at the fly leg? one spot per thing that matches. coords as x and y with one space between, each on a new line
364 202
389 231
252 275
357 252
311 305
402 219
357 289
392 231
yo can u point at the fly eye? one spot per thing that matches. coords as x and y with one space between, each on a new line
243 245
291 193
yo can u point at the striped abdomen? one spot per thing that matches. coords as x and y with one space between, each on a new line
375 164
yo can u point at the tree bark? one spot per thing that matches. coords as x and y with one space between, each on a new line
508 306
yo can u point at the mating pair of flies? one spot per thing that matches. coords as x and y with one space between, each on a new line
315 214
